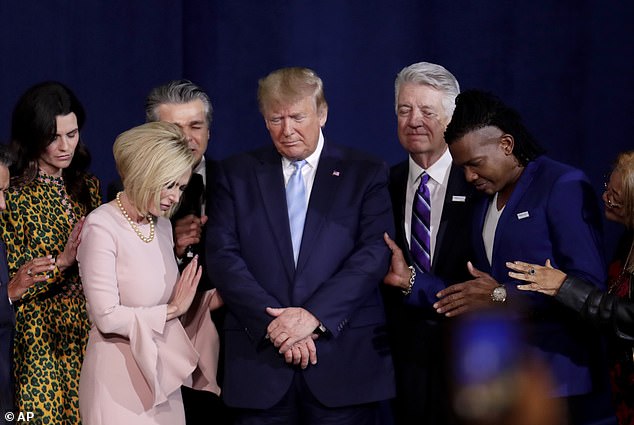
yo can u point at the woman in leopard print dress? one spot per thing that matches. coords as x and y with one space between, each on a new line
50 195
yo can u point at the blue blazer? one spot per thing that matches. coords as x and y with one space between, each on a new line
341 264
553 214
7 325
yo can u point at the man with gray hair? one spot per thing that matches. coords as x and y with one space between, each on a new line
183 103
432 204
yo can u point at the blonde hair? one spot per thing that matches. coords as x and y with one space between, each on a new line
624 164
149 158
289 85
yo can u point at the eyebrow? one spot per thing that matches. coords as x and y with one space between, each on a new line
421 107
67 132
470 161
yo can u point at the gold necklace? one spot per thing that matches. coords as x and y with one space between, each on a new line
150 219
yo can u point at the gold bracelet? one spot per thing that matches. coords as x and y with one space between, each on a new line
412 279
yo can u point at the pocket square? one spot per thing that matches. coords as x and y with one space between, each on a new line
458 198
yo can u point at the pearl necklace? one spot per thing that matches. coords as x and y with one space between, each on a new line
146 239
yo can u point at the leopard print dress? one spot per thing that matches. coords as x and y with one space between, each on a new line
51 319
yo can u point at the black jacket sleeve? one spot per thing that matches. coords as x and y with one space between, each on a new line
605 310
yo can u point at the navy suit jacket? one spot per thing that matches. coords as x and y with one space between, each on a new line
452 249
553 214
188 205
417 332
7 325
341 264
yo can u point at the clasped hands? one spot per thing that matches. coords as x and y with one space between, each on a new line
187 231
38 269
291 331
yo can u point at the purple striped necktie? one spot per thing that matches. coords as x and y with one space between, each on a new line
420 243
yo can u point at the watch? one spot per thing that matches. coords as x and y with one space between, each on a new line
320 330
498 294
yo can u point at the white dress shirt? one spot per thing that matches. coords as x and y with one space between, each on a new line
490 225
308 171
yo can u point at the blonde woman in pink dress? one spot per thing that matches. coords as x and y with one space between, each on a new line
145 339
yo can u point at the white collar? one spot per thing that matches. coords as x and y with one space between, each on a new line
201 168
437 171
313 158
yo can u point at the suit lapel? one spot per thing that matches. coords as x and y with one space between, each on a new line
508 215
456 186
479 215
211 169
271 184
324 190
398 192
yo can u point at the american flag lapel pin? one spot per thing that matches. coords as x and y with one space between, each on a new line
335 173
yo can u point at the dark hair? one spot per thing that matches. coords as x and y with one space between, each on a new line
477 109
6 156
33 128
179 92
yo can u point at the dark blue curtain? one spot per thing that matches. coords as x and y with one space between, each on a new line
567 66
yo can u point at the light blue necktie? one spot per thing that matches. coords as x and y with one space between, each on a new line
296 203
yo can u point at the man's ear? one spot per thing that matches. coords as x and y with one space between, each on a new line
323 115
507 143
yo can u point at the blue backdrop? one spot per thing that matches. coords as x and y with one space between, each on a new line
567 66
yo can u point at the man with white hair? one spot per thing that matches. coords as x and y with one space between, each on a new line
426 256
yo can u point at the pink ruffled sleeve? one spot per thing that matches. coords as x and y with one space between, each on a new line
204 336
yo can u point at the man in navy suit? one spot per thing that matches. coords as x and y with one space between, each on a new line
535 209
425 95
305 328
